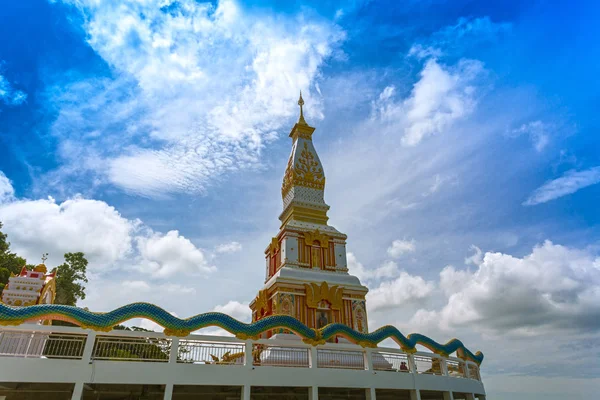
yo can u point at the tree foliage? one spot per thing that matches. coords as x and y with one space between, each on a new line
70 277
9 262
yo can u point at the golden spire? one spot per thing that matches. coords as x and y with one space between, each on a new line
301 103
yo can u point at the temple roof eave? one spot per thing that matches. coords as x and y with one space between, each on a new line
300 276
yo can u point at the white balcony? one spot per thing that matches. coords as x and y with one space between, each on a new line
34 353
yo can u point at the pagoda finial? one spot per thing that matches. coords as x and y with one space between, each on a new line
301 103
44 258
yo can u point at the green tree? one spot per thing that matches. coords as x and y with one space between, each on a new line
70 279
9 262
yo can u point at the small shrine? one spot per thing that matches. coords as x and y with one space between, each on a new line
30 287
306 267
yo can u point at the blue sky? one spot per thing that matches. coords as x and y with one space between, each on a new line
459 140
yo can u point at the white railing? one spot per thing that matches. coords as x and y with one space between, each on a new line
280 356
119 348
192 351
383 361
41 344
342 359
36 341
456 367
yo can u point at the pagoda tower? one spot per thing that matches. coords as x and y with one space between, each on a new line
306 268
30 287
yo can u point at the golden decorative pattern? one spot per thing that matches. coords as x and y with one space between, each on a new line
274 246
261 302
307 172
41 268
315 294
311 237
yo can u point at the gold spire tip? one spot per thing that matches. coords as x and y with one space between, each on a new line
301 103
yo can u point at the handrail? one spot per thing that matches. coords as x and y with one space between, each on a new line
39 341
178 327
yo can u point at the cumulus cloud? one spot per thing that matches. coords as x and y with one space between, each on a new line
198 90
78 224
235 309
553 288
231 247
9 95
388 269
442 95
404 289
167 255
108 240
569 183
400 247
7 192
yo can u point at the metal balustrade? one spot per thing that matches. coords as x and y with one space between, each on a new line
279 356
40 344
456 368
341 359
77 344
119 348
203 352
473 372
390 362
428 364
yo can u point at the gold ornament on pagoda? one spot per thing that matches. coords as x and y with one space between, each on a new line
311 237
315 294
307 172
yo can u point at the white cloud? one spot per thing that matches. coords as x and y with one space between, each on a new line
402 290
199 90
400 247
9 95
78 224
231 247
472 29
388 269
569 183
7 192
443 95
235 309
553 288
97 229
537 132
167 255
476 258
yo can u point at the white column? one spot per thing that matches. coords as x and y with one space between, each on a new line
90 341
368 354
246 392
168 391
248 357
444 366
314 354
313 393
174 351
415 395
371 394
77 391
470 396
412 366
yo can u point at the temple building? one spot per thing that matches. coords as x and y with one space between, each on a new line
30 287
306 267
